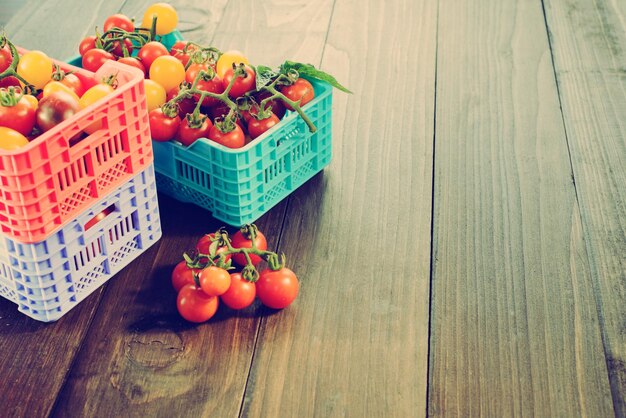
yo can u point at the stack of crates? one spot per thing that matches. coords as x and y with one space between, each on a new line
72 215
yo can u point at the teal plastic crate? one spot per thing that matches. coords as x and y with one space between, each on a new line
238 186
47 279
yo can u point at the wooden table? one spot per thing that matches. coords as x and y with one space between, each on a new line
464 254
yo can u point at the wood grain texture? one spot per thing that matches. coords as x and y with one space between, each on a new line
355 344
588 41
513 308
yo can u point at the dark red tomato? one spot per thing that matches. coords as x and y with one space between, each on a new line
277 288
301 89
212 86
55 108
233 139
19 117
118 49
119 21
151 51
240 241
188 135
86 44
133 62
177 51
242 84
192 72
257 127
9 81
278 107
240 294
194 305
73 82
218 110
205 242
5 58
95 58
162 127
185 106
182 275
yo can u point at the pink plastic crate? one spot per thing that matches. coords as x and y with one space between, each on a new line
46 183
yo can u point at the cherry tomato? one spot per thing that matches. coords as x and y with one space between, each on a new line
301 89
177 51
55 108
119 21
155 94
150 52
194 305
226 60
182 275
278 107
5 58
214 281
95 58
188 135
213 86
167 71
118 48
55 86
11 139
277 288
162 127
257 127
88 42
133 62
240 241
10 81
91 96
240 294
74 83
242 84
185 106
36 68
19 117
166 15
233 139
205 242
192 71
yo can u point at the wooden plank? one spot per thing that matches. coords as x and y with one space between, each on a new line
37 356
515 330
140 358
588 40
355 342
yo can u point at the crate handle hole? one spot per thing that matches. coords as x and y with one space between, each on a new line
99 217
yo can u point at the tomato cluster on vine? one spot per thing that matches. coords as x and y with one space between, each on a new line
37 95
203 279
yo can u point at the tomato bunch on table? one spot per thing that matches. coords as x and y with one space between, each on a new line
195 91
225 270
36 95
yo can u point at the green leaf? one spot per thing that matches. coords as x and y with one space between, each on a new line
264 76
308 70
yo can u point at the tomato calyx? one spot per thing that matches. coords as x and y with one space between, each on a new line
10 96
11 70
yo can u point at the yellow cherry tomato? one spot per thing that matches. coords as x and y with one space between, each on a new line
91 96
155 94
55 86
168 71
167 18
11 139
226 60
36 68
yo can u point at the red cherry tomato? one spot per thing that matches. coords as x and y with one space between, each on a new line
240 294
133 62
20 116
5 58
74 83
162 127
205 242
277 288
86 44
95 58
242 84
194 305
214 281
185 106
257 127
182 275
301 89
119 21
177 51
213 86
188 135
151 51
9 81
278 107
240 241
118 48
233 139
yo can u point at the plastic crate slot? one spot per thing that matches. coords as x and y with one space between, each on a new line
73 173
91 279
123 253
301 150
274 170
88 253
77 199
112 174
194 175
118 231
